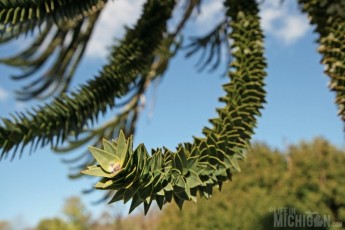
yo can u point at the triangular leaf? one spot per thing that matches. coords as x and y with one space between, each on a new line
160 201
129 193
122 146
193 179
109 147
104 185
105 159
118 196
96 171
179 201
136 201
147 206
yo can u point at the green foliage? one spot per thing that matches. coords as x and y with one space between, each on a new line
208 162
213 43
78 217
52 224
24 15
270 179
329 18
69 40
53 123
140 57
76 213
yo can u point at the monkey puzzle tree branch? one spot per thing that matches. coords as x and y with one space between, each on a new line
329 18
69 41
70 113
194 167
22 16
129 109
125 120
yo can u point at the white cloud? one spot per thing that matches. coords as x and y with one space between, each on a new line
3 94
294 28
283 21
210 13
268 16
111 25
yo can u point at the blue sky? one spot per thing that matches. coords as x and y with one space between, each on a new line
299 105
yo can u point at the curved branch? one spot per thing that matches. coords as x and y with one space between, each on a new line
207 162
329 17
131 107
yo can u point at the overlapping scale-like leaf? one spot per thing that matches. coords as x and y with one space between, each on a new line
30 14
329 18
198 167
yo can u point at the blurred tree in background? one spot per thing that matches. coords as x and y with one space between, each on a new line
307 176
77 217
76 214
5 225
52 224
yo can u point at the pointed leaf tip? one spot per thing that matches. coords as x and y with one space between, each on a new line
109 147
122 146
105 159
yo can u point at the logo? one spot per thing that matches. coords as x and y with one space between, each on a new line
288 217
